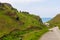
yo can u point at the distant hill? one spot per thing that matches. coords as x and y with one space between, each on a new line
14 24
55 21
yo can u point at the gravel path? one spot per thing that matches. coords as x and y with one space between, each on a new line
51 35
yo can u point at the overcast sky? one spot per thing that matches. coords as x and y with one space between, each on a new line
43 8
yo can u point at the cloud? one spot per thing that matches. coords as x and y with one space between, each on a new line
21 1
6 1
43 9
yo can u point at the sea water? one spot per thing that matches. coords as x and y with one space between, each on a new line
45 19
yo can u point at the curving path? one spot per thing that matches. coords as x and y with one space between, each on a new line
53 34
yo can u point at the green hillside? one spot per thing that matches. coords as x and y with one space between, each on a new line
15 25
55 21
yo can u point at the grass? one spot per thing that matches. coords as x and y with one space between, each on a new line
35 35
24 35
31 24
55 21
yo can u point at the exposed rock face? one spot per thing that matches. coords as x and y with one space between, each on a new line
4 4
7 4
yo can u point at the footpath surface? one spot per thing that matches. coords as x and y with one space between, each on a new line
53 34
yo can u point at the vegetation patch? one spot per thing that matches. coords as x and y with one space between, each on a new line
16 25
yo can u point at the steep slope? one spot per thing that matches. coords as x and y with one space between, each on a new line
55 21
14 23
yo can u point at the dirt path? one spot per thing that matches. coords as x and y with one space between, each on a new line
51 35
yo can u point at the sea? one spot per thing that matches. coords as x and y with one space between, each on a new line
46 19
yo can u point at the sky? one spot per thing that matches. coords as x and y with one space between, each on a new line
42 8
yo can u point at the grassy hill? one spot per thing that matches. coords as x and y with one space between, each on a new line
55 21
16 25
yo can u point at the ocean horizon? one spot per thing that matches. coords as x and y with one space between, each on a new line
46 19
